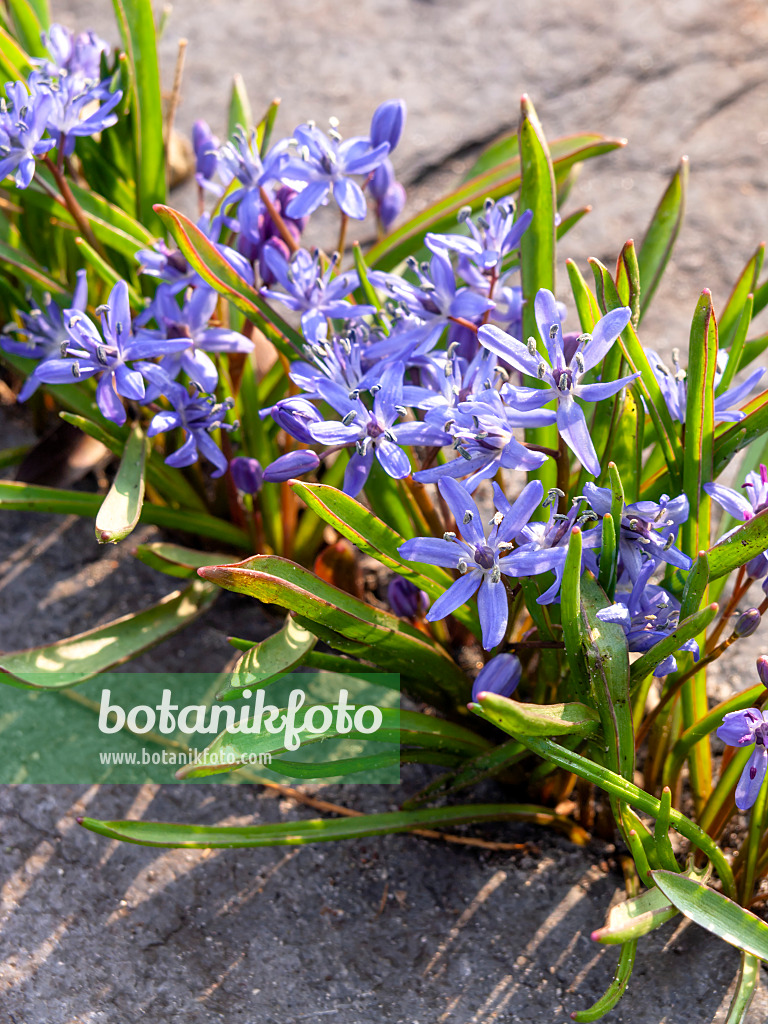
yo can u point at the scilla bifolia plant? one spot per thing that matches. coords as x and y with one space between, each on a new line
397 387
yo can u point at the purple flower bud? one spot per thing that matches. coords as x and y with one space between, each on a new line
405 599
382 179
290 465
391 206
205 147
757 567
762 669
501 675
247 474
296 416
747 623
387 123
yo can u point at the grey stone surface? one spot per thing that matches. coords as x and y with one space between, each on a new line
97 933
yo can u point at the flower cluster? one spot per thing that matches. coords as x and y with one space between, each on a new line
63 99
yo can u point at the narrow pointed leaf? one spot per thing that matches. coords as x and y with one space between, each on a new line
315 830
734 307
81 657
661 235
240 112
269 660
545 719
175 560
715 912
137 28
120 511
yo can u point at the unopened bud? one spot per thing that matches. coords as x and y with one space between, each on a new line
762 670
290 465
405 599
747 623
247 474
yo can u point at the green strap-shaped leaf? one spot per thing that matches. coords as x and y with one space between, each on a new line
215 271
27 25
698 451
636 356
81 657
715 912
615 990
20 264
743 433
586 303
695 587
240 112
231 750
21 497
537 251
137 28
737 347
749 976
636 917
269 660
14 63
120 511
743 545
315 830
175 560
377 635
745 285
373 537
549 719
662 232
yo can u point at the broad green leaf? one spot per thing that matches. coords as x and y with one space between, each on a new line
269 660
715 912
231 750
744 543
214 269
373 537
377 635
636 356
314 830
27 25
737 347
687 630
137 28
240 112
745 285
661 235
635 917
537 251
14 63
698 451
42 10
175 560
21 497
628 280
603 645
26 268
170 482
586 303
81 657
695 587
545 719
265 126
120 511
106 272
111 226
